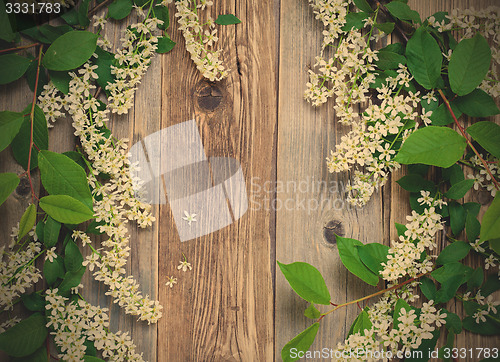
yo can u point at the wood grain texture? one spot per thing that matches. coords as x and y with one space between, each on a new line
222 310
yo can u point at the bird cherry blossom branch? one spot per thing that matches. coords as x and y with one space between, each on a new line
338 306
19 48
32 117
497 185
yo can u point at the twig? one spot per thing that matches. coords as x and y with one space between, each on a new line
374 294
32 117
497 185
397 27
19 48
96 8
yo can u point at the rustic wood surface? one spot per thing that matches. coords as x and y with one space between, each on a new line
234 305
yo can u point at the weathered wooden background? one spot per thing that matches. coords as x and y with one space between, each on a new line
234 305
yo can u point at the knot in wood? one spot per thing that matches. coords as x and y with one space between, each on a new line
332 228
23 189
209 96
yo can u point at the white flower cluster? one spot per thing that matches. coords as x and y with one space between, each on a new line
384 335
404 254
373 140
469 22
51 103
481 177
200 42
139 45
70 321
347 75
332 13
9 323
486 305
15 274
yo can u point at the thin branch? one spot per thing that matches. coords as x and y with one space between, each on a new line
32 119
497 185
19 48
96 8
396 26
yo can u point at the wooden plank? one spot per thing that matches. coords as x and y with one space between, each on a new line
306 232
142 263
223 308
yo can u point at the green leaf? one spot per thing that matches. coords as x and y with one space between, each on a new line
495 245
449 289
61 80
82 13
403 12
40 355
472 227
373 255
476 279
73 258
428 288
354 20
70 50
92 359
491 285
418 169
104 62
21 143
62 176
453 252
27 221
459 190
348 250
161 12
361 323
10 123
386 28
416 183
165 44
490 226
34 302
469 64
453 322
441 116
12 67
71 280
227 19
400 228
458 216
487 134
488 328
311 312
424 58
400 304
478 103
437 146
51 232
53 270
65 209
300 343
25 337
363 6
120 9
306 281
51 33
450 270
454 174
8 183
389 60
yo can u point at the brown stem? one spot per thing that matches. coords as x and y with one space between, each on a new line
96 8
19 48
397 27
375 294
32 117
497 185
